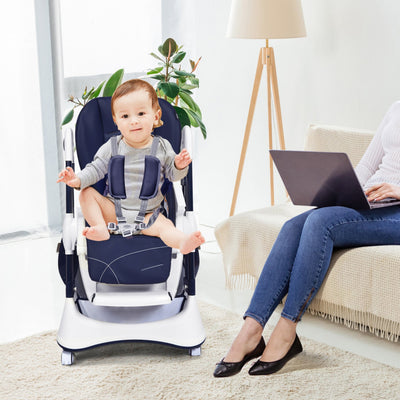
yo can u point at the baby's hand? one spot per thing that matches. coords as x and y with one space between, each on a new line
69 178
182 160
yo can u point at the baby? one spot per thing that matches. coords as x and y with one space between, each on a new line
136 112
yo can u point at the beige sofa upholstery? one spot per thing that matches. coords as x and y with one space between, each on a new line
362 288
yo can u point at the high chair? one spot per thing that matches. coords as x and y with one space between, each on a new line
131 288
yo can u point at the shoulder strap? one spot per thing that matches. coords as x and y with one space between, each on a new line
117 201
114 146
143 204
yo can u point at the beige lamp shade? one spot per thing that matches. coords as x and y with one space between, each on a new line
266 19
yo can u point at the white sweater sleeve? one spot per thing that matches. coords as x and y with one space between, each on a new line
372 158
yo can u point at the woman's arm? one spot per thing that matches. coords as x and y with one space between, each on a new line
372 158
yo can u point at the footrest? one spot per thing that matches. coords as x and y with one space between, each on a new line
131 299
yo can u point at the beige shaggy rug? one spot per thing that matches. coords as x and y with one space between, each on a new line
30 369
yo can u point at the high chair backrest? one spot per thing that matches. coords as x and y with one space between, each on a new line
95 126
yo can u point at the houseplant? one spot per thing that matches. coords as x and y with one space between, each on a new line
174 85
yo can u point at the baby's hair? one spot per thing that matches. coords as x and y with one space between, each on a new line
135 85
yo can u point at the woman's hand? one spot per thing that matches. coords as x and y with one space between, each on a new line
382 191
182 160
69 178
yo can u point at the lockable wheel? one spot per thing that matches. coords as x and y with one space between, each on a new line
195 351
67 357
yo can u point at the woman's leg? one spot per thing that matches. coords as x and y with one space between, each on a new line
271 288
338 227
326 229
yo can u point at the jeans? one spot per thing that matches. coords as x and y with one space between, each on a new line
300 257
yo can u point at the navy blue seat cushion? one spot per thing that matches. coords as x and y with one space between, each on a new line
134 260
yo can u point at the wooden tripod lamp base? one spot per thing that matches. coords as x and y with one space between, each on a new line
266 58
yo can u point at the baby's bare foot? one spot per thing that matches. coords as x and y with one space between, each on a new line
191 242
97 233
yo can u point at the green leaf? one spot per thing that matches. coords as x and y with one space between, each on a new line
113 82
86 95
158 77
182 116
178 57
188 87
197 118
183 73
165 47
68 117
195 81
155 71
97 91
156 56
171 89
184 90
188 100
193 121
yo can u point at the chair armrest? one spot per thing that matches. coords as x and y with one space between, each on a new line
69 225
179 198
186 141
69 145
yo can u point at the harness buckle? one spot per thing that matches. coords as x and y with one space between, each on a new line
121 220
139 227
139 218
126 232
112 226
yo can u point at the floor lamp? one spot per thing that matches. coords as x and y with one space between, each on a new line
264 19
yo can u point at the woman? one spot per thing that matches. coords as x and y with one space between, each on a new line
300 257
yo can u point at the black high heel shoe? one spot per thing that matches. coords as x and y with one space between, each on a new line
224 369
270 367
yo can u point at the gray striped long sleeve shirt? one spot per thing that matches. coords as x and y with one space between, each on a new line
134 170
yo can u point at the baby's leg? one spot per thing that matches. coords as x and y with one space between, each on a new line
173 237
98 211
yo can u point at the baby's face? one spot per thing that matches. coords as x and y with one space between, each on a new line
135 118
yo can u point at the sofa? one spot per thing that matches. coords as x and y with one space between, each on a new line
362 286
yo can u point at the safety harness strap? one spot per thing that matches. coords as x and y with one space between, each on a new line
122 226
143 205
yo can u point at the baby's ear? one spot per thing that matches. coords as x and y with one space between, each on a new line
158 116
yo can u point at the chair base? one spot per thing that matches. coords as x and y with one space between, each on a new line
178 324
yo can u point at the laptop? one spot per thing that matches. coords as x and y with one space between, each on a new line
321 179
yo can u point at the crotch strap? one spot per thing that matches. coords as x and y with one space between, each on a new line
149 189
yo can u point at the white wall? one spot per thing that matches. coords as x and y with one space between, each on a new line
109 35
345 72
